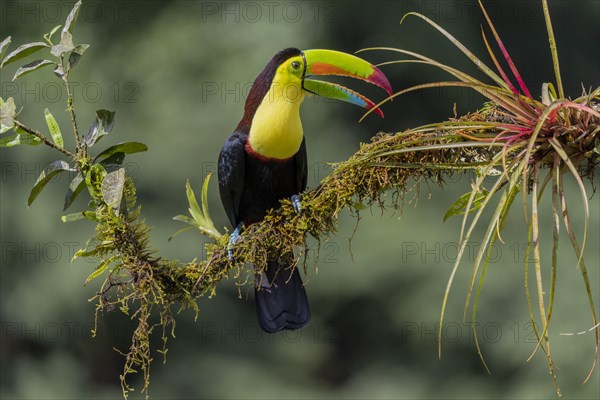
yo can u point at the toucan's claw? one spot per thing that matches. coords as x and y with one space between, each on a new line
296 203
232 239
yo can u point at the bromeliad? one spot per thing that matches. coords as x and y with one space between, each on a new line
264 161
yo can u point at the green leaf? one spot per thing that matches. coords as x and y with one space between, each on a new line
23 51
65 45
208 221
103 267
48 36
194 208
112 188
201 218
187 228
185 219
99 269
72 18
4 46
101 126
84 253
458 208
77 185
76 54
359 206
54 129
125 148
19 137
115 159
48 173
93 179
59 71
72 217
548 93
8 111
32 66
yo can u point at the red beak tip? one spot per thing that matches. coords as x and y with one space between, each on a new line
382 81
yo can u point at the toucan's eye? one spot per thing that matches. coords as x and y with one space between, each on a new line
295 65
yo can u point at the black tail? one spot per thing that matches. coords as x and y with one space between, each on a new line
281 301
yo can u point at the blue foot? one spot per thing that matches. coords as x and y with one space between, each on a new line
296 203
232 239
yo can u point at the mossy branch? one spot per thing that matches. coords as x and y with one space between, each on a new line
391 164
513 138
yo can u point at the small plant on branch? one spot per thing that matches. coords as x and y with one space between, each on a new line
528 145
556 134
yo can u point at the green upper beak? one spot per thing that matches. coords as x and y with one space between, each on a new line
331 62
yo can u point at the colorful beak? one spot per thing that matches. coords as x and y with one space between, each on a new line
330 62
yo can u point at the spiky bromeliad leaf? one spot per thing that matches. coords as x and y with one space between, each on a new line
48 173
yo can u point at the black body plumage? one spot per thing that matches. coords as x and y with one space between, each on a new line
249 186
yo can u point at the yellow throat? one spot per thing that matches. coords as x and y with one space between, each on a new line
276 130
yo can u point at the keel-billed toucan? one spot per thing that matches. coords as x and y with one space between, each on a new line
264 161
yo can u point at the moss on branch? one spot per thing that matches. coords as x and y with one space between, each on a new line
514 138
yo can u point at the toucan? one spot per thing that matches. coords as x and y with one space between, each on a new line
264 161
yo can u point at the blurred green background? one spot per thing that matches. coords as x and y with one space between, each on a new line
177 73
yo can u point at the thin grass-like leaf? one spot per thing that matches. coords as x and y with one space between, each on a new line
411 149
527 290
509 60
480 64
492 92
475 189
476 304
555 172
586 207
187 228
487 237
462 247
584 274
532 140
462 76
538 272
553 50
497 64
